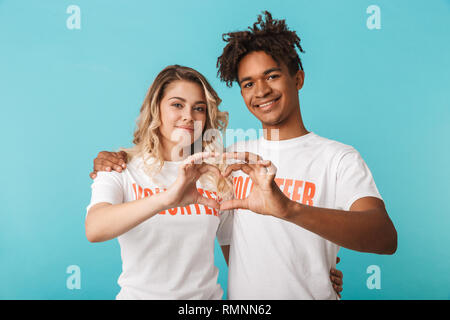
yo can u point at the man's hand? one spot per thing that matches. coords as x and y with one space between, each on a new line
336 277
265 197
107 161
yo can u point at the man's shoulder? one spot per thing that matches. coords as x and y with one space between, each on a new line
332 146
315 141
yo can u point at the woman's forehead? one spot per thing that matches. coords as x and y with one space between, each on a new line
187 90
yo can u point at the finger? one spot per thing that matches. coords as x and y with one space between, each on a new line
236 167
336 277
336 273
269 167
93 175
101 163
337 281
233 204
337 288
106 165
117 158
248 157
199 157
110 156
195 158
208 202
210 157
122 155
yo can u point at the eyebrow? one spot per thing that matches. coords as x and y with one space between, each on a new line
264 73
184 100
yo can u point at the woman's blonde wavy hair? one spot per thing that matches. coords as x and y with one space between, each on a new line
147 138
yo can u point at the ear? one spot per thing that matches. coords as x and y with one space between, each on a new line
299 79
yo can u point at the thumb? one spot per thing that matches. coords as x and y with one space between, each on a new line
208 202
233 204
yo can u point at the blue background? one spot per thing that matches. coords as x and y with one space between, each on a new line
67 94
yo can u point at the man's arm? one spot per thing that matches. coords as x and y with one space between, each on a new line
366 227
226 253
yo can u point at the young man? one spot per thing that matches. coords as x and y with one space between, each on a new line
292 213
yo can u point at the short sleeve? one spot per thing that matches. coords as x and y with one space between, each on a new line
225 228
107 187
353 180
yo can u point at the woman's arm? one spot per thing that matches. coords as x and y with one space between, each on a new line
106 221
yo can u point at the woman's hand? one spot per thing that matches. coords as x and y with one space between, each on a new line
184 191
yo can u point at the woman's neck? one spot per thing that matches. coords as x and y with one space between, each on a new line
174 152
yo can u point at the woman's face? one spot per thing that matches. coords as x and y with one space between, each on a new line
183 114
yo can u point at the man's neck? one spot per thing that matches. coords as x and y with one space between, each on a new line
292 127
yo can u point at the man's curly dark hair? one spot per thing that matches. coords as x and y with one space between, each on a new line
271 36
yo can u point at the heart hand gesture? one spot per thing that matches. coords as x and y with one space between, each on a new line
265 197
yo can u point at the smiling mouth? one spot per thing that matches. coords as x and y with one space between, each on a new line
267 104
187 128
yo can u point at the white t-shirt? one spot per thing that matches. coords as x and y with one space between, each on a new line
170 255
271 258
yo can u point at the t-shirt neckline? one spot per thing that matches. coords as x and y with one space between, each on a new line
271 144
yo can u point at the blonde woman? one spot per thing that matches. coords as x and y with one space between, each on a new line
163 207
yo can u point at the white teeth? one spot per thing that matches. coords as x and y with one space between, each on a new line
265 104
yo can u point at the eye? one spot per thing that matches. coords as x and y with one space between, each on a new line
177 105
200 108
248 85
273 76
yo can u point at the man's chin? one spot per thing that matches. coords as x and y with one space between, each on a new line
271 120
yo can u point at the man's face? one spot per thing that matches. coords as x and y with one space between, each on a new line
269 91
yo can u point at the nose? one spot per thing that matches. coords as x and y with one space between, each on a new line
187 113
262 89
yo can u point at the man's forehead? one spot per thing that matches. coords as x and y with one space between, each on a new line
257 64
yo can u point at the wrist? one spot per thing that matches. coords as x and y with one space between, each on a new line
167 200
293 210
164 199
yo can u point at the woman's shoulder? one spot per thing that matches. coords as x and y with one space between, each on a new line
132 165
109 177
